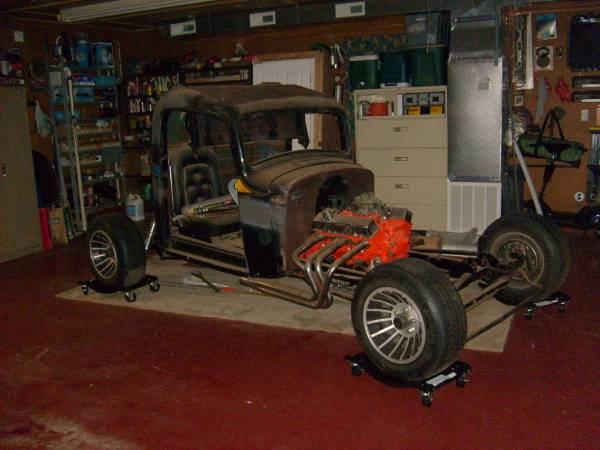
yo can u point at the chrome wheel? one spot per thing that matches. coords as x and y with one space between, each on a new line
394 325
103 254
522 252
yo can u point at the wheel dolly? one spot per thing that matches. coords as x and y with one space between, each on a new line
128 292
558 298
459 371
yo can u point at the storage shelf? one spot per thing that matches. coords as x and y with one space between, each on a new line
136 148
83 103
12 81
406 116
134 175
95 97
92 85
150 75
89 119
223 67
78 69
98 181
216 81
141 96
82 151
86 134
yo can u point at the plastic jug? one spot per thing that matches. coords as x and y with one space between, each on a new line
135 207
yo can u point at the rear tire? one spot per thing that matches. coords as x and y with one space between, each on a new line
537 244
561 241
409 319
116 251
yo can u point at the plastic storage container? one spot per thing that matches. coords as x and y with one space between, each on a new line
135 207
427 28
364 72
378 109
428 65
81 51
395 69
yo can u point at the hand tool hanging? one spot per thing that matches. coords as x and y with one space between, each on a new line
75 142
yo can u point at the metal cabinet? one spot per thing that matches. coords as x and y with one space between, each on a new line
19 223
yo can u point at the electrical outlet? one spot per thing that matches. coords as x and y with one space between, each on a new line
19 36
585 115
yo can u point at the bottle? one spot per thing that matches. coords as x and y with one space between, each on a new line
135 207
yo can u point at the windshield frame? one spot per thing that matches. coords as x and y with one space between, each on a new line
344 129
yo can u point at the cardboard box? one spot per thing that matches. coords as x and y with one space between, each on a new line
131 163
58 226
136 164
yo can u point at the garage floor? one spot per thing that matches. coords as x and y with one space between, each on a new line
86 375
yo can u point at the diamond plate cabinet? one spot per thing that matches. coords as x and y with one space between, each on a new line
406 147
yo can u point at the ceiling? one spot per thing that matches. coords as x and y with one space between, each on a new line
48 10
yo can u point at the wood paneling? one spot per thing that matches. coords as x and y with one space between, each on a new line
284 39
566 181
151 45
132 44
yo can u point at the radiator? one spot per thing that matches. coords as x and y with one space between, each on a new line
473 205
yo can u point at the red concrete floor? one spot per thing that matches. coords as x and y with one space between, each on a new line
83 375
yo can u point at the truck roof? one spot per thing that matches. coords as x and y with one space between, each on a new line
243 99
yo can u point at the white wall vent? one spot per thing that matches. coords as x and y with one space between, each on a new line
182 28
261 19
473 205
352 9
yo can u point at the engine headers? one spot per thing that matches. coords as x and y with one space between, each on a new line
387 233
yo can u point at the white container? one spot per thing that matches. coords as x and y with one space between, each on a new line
135 207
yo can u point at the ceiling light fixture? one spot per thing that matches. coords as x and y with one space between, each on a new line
116 8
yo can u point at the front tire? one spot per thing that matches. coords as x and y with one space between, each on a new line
408 319
537 246
116 252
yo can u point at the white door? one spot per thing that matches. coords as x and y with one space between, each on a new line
288 71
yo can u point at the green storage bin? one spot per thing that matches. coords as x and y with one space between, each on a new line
428 65
395 70
364 72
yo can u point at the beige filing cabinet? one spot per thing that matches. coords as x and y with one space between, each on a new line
407 152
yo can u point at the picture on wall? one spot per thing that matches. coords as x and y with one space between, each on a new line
545 27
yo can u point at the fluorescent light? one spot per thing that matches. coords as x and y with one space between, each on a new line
120 8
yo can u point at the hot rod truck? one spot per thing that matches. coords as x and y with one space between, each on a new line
261 180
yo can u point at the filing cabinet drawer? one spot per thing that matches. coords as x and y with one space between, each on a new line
414 162
411 190
408 132
427 217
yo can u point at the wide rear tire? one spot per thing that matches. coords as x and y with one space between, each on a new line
409 319
116 252
536 245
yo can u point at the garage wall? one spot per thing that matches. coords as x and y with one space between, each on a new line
565 182
152 45
280 39
33 49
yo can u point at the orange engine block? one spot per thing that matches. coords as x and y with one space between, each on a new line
389 238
